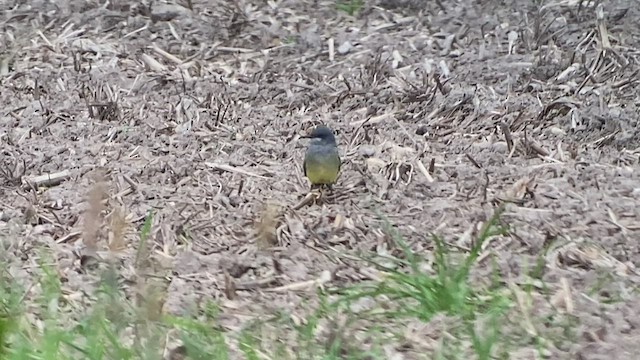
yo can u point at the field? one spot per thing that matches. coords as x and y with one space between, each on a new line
153 203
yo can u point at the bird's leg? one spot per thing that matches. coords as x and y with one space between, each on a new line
316 191
328 192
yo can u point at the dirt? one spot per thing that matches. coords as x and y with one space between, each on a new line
195 111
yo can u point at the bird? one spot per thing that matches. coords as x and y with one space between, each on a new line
322 161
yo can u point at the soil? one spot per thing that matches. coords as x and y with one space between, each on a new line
443 110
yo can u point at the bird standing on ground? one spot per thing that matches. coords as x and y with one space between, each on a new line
322 161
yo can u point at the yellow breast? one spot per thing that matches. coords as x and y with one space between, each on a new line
325 173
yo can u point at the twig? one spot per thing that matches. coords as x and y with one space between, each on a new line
70 236
614 220
230 168
324 278
602 27
48 179
235 49
152 63
473 161
229 286
484 174
373 120
308 199
332 54
424 171
131 182
486 253
507 135
538 149
166 55
256 284
313 196
404 130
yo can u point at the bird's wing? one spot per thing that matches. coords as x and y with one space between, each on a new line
304 166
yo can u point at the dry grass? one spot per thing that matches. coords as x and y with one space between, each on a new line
192 112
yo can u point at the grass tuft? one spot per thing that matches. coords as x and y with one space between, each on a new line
472 319
349 6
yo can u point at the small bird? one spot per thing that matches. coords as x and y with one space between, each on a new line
322 162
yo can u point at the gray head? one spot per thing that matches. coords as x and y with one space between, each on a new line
322 134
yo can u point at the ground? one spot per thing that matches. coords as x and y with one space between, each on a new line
162 143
